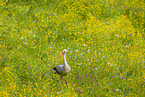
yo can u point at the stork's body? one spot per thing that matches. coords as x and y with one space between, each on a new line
64 69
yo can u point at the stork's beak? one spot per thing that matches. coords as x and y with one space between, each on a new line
61 54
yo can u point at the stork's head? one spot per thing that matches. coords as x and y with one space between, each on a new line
63 52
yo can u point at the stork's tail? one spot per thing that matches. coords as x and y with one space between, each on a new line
54 69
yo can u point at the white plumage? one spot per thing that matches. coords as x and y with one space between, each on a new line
64 69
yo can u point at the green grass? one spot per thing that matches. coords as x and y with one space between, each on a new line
105 41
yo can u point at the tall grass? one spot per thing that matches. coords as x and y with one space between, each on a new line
105 41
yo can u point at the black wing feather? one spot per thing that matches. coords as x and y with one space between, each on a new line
56 70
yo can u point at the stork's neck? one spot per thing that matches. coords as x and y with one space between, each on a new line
64 59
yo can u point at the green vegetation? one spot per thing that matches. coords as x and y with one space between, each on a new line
105 40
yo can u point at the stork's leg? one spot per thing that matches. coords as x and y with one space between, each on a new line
61 79
64 79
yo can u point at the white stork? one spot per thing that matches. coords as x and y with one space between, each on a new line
64 69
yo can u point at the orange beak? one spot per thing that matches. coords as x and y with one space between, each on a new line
61 54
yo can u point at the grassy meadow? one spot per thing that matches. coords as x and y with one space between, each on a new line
105 39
